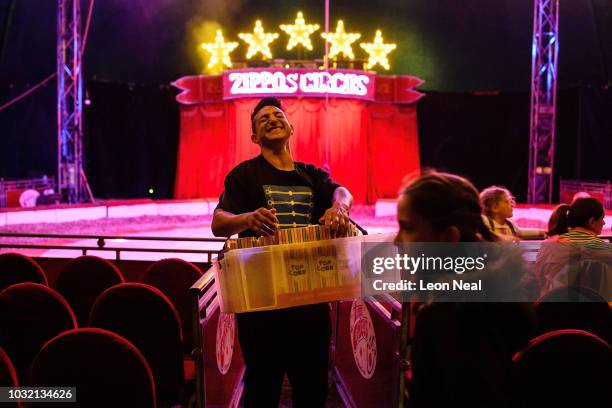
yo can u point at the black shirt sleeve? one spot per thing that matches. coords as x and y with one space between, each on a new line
234 197
324 185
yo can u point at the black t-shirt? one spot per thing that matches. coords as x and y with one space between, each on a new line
299 196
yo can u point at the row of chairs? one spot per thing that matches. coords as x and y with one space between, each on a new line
84 278
587 312
541 354
106 369
138 314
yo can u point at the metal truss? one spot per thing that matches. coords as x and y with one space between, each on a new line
72 183
545 49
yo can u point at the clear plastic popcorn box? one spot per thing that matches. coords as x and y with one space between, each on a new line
280 276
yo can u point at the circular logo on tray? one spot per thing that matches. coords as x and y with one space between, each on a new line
226 329
363 339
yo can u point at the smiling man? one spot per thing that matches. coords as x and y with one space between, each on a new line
269 192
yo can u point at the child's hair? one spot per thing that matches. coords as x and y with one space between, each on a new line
447 200
575 215
491 196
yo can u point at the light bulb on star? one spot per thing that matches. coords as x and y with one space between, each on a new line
219 52
299 32
341 41
259 41
378 51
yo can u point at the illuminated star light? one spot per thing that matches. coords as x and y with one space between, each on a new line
258 41
219 51
299 32
341 41
378 51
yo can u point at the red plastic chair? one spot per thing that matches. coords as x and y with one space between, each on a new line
17 268
174 277
8 376
30 315
575 307
563 368
144 316
82 280
106 369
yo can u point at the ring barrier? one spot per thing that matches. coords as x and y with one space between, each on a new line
219 367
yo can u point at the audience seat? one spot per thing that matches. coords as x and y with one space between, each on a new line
106 369
8 376
17 268
563 368
82 280
462 352
30 315
174 277
575 307
144 316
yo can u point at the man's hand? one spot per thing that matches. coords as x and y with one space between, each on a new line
262 221
337 219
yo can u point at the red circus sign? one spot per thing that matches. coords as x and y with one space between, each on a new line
343 83
298 82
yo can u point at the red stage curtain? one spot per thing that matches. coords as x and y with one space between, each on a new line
372 146
205 149
393 146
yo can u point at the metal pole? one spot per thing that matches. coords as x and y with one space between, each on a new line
70 101
327 165
545 50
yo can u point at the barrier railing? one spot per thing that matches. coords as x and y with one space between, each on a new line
219 367
105 237
101 241
371 350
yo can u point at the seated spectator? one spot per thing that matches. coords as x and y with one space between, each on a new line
573 242
557 224
462 352
498 207
581 221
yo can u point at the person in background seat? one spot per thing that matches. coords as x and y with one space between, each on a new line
498 207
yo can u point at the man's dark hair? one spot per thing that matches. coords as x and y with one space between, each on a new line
268 101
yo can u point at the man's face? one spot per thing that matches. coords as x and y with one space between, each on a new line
271 125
